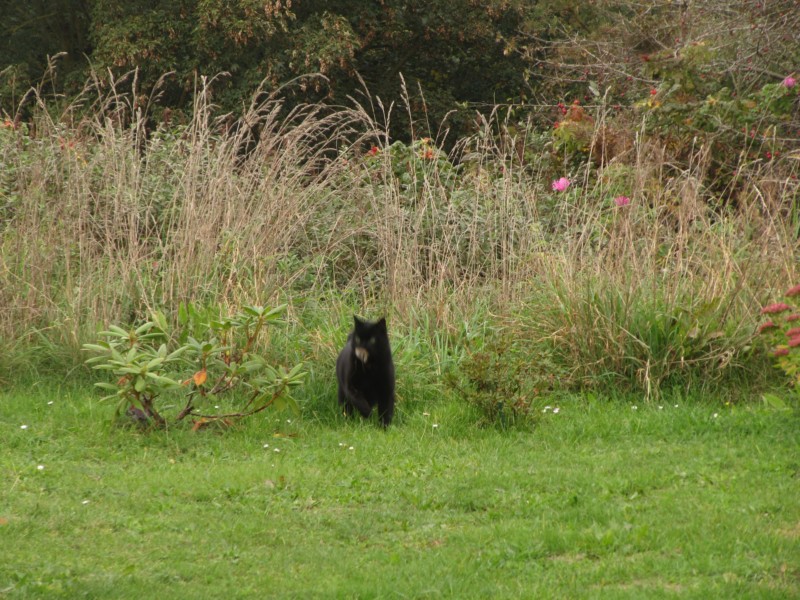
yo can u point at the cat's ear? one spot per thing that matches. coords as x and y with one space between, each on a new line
382 323
357 321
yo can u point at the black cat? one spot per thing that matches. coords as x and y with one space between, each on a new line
365 371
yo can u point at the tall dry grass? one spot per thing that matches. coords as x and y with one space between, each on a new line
106 215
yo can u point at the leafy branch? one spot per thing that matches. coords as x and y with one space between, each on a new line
221 360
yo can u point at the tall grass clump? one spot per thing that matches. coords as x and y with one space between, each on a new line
110 216
646 270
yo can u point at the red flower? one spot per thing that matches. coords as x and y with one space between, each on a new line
794 291
765 326
793 332
780 352
794 342
793 317
778 307
373 151
653 92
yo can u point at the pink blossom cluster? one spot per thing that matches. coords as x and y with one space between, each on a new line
622 201
791 337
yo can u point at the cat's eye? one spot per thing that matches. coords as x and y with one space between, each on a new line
357 339
372 340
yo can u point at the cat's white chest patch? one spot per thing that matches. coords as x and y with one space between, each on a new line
362 354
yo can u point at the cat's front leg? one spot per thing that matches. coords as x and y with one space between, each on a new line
386 411
357 399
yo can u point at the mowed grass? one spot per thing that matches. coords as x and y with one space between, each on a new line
598 500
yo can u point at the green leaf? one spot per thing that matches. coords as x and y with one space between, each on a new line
176 353
284 402
107 386
155 335
775 402
154 363
160 320
95 359
96 347
193 312
296 371
278 310
183 315
114 331
104 367
140 385
142 329
165 381
121 406
270 374
255 311
252 365
128 370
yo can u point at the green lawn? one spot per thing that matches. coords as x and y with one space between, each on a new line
599 500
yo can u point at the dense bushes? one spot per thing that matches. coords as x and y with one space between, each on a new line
624 272
618 233
455 56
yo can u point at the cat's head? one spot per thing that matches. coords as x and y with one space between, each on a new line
370 338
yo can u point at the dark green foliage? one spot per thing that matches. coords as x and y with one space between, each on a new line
456 52
34 30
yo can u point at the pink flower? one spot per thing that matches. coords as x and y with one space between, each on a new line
791 318
789 82
794 342
780 352
765 326
561 184
622 201
794 332
794 291
778 307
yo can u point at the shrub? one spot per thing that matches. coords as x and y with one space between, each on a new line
148 364
782 332
503 377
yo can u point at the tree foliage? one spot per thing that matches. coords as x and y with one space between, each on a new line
454 51
454 55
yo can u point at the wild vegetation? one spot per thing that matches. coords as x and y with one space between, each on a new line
580 220
589 255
